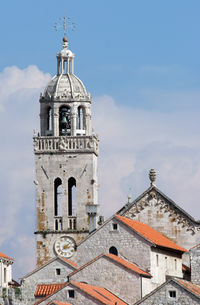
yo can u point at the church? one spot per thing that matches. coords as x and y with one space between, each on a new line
148 252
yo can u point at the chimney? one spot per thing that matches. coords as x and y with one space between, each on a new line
92 211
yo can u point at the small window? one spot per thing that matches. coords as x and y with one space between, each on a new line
5 275
175 264
113 251
71 293
58 271
172 294
114 226
166 262
157 260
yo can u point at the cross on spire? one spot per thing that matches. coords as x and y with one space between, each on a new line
64 23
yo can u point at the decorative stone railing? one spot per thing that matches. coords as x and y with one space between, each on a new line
50 144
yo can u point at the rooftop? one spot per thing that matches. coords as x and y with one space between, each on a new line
101 294
117 259
5 256
47 289
150 234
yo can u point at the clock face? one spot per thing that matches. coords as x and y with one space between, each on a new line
64 246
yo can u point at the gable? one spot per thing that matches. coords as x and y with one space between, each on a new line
184 293
161 213
128 243
44 272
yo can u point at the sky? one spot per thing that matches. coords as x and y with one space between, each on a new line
140 61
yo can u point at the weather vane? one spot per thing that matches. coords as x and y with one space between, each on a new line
64 23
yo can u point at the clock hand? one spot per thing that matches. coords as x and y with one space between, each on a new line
84 170
44 171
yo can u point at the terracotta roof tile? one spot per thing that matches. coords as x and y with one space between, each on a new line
117 259
149 233
186 268
69 262
190 286
101 294
47 289
127 264
57 303
5 256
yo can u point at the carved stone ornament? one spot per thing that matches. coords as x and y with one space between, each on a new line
62 144
35 144
153 199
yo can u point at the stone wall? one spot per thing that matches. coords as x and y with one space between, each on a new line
80 298
129 245
46 274
161 214
119 280
195 265
161 296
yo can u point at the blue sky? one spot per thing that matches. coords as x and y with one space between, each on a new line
140 61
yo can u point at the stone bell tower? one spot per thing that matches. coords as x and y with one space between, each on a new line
66 154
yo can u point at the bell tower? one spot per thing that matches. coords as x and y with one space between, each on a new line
66 154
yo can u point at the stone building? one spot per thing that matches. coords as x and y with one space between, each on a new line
161 213
136 255
82 293
54 271
5 270
174 291
66 152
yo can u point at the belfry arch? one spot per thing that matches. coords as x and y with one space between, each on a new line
57 197
81 120
64 120
72 205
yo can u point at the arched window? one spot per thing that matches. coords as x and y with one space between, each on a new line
72 197
49 119
113 251
58 197
64 121
81 120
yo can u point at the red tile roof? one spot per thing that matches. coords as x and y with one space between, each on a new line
149 233
186 268
101 294
127 264
117 259
47 289
69 262
190 286
5 256
57 303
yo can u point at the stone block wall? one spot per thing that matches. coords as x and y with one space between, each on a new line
195 265
162 296
129 245
46 274
119 280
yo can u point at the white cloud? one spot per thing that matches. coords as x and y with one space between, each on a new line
133 140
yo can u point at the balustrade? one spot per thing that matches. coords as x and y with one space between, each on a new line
65 143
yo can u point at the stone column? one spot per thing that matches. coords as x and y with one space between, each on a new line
55 121
88 129
73 120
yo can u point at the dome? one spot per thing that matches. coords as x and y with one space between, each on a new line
66 86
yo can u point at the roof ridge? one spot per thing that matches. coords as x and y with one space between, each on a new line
150 234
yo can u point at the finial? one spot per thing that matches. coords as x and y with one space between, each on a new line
152 177
64 23
129 194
